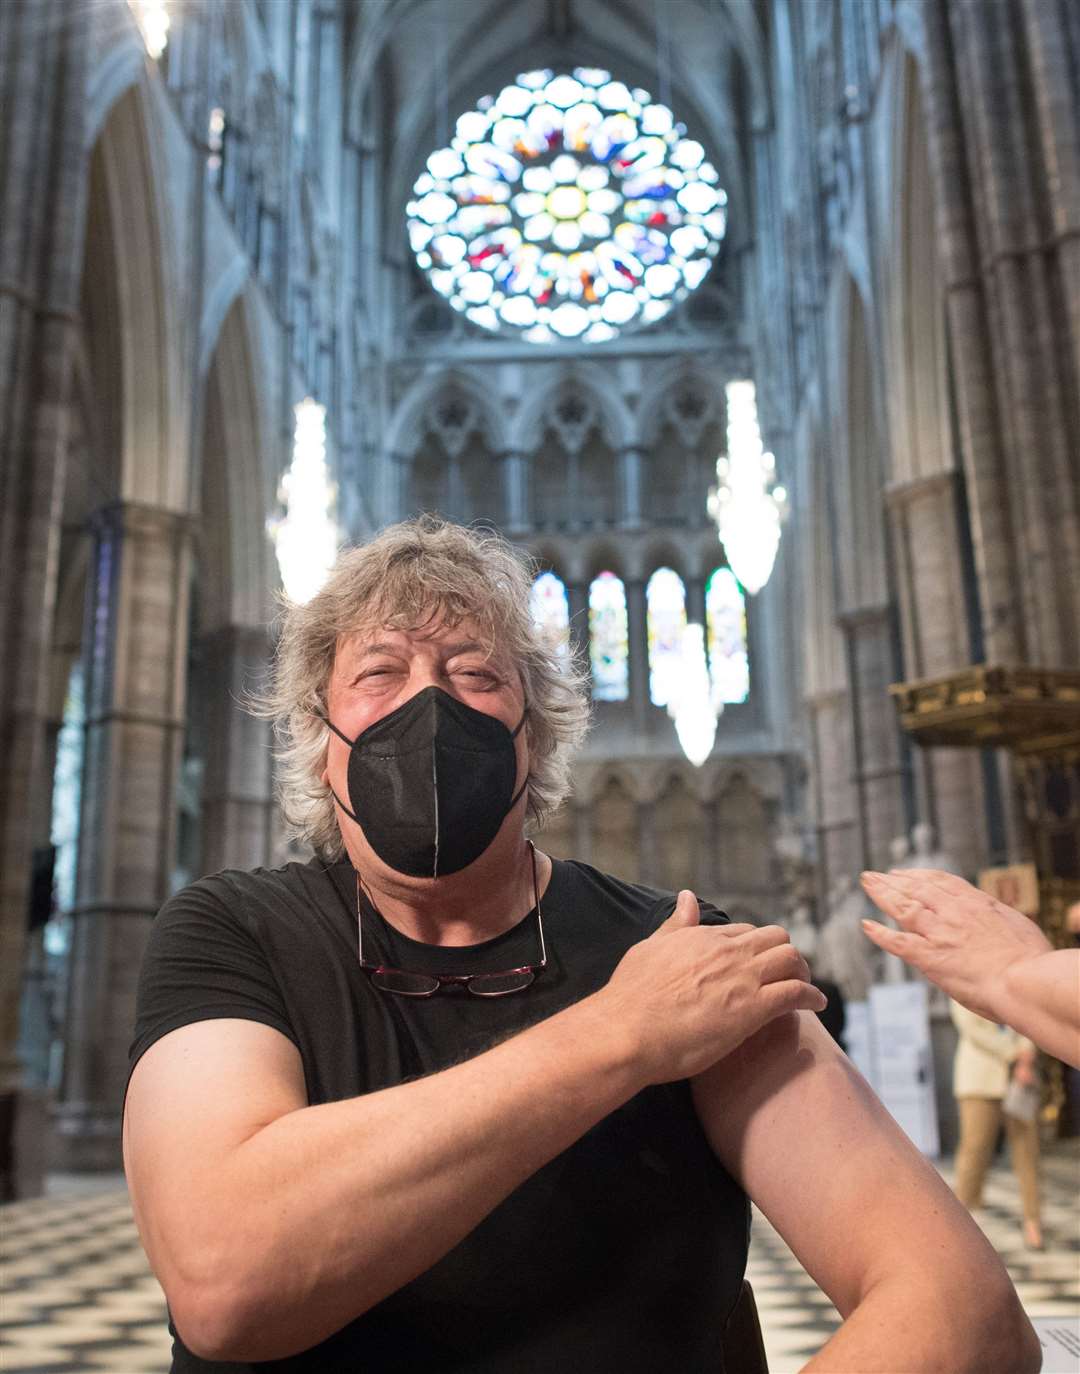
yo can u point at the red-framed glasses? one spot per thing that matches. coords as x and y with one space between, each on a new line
408 983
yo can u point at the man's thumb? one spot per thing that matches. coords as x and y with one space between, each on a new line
687 912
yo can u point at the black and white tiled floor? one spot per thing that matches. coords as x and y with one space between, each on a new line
78 1297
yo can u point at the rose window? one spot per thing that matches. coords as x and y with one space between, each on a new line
567 206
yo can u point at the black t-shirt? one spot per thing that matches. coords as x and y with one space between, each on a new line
624 1254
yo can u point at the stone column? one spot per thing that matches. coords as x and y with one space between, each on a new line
238 802
838 839
877 773
648 858
571 508
136 660
631 468
516 493
711 870
44 47
1054 90
924 516
577 594
978 420
1013 192
695 604
639 655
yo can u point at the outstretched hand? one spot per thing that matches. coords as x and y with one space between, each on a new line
959 937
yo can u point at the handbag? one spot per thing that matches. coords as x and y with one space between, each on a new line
1022 1100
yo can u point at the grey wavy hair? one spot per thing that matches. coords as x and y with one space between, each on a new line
422 572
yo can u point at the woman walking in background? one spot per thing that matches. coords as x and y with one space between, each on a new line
994 1078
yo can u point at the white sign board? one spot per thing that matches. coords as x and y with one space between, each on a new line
902 1060
1060 1341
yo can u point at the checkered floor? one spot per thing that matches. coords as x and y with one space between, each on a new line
79 1298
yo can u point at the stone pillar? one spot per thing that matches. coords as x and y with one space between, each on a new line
44 47
571 510
695 605
639 655
877 773
648 858
631 468
711 878
577 595
455 490
1054 90
838 839
978 421
136 660
1027 345
924 516
515 493
238 802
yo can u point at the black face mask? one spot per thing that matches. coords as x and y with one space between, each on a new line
431 783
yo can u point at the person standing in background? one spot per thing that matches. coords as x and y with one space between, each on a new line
989 1057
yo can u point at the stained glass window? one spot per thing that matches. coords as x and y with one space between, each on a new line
608 638
665 600
567 206
725 614
551 609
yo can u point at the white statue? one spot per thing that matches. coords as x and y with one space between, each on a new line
844 953
924 852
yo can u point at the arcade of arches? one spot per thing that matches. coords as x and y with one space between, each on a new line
869 207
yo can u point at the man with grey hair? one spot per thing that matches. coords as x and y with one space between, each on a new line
435 1101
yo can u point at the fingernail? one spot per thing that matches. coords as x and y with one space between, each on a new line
869 925
870 877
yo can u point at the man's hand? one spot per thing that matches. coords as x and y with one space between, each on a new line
960 938
690 994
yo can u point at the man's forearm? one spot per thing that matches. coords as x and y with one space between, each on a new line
920 1327
327 1210
1041 999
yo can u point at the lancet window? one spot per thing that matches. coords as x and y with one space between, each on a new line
551 609
725 616
665 601
609 638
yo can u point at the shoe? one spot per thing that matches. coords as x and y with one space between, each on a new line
1033 1236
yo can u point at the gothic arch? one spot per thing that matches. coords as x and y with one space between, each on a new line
857 475
607 555
153 447
604 777
408 425
236 480
658 403
914 318
662 551
593 382
120 68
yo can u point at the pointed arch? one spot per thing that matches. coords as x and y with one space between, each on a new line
592 382
152 419
237 481
914 324
857 468
408 425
